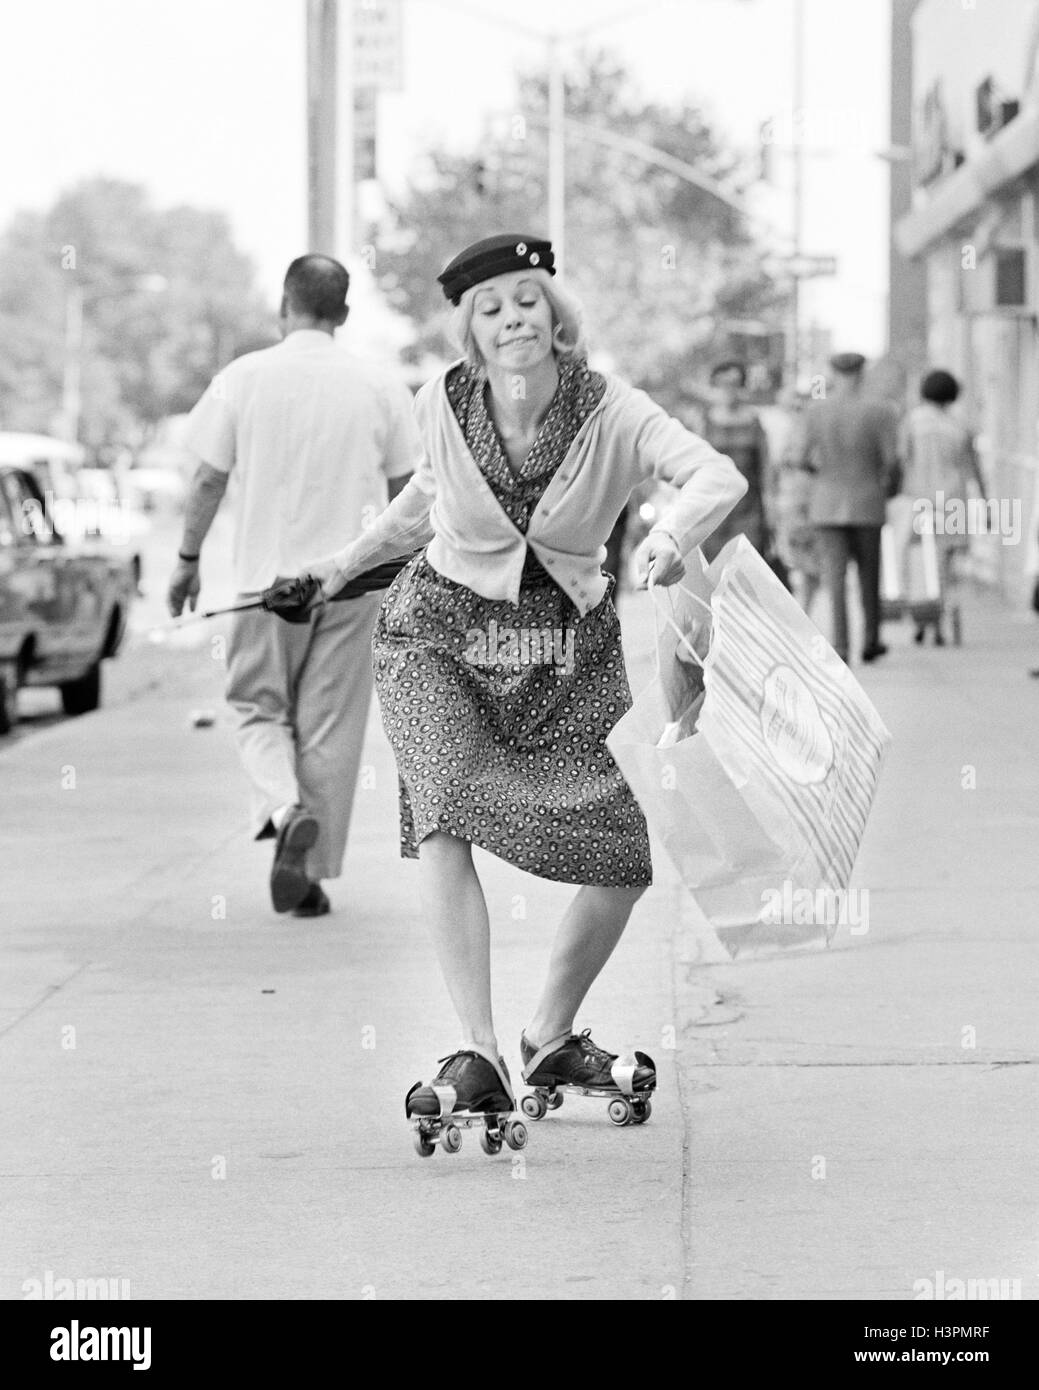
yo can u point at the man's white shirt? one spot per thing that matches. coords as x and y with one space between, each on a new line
309 435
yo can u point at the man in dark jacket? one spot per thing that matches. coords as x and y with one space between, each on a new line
851 448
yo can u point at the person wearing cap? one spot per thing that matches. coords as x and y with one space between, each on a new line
851 447
315 441
530 457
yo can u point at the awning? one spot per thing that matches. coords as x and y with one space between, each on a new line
962 193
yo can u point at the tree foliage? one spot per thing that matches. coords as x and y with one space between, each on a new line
167 300
660 265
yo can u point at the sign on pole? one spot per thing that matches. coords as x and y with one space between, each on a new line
378 44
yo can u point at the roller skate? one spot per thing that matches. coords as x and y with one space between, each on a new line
574 1063
471 1088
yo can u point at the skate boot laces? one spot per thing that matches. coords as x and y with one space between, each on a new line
591 1050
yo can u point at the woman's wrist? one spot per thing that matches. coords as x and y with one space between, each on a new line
667 535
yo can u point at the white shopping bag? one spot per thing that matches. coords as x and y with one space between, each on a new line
908 556
769 784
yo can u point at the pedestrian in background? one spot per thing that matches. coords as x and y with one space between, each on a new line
733 427
851 447
793 533
318 443
938 455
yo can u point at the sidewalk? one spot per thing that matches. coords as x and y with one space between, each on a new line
207 1100
230 1121
863 1117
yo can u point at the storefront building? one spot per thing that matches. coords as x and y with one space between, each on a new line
974 224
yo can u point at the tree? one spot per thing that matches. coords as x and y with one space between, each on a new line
660 265
144 355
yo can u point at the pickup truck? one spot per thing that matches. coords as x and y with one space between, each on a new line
64 603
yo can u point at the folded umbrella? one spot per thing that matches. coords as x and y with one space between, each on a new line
293 599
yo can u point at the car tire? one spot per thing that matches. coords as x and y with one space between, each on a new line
83 695
9 683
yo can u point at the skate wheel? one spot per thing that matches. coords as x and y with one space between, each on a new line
451 1139
514 1133
534 1106
490 1141
423 1147
555 1100
620 1112
642 1110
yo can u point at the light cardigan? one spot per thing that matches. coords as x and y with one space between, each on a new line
448 503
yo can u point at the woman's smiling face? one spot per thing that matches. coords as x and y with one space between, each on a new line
512 322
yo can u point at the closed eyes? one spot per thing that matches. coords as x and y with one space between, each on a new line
489 310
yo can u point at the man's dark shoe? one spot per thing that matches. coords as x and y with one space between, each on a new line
871 653
289 881
315 904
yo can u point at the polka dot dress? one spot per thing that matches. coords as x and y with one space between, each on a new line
498 713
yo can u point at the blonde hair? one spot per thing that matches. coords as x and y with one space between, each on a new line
567 320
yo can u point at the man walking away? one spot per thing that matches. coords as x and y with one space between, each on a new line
318 443
850 446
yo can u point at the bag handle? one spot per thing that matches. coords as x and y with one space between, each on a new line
674 626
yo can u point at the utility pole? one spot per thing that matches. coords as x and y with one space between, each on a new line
321 124
793 351
345 191
556 154
330 76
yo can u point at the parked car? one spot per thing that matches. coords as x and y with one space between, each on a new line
84 503
64 603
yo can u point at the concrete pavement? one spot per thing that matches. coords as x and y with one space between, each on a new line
206 1100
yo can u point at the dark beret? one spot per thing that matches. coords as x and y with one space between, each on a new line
495 255
847 362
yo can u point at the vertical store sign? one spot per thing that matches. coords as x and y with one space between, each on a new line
378 66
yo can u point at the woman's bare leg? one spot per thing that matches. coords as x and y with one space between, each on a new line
587 935
454 905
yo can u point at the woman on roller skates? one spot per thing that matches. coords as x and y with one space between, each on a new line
497 659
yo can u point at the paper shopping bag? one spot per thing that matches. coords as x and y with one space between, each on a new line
768 797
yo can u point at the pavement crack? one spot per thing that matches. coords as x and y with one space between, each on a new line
44 998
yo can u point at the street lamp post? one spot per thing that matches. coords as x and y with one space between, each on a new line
72 367
71 395
557 124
